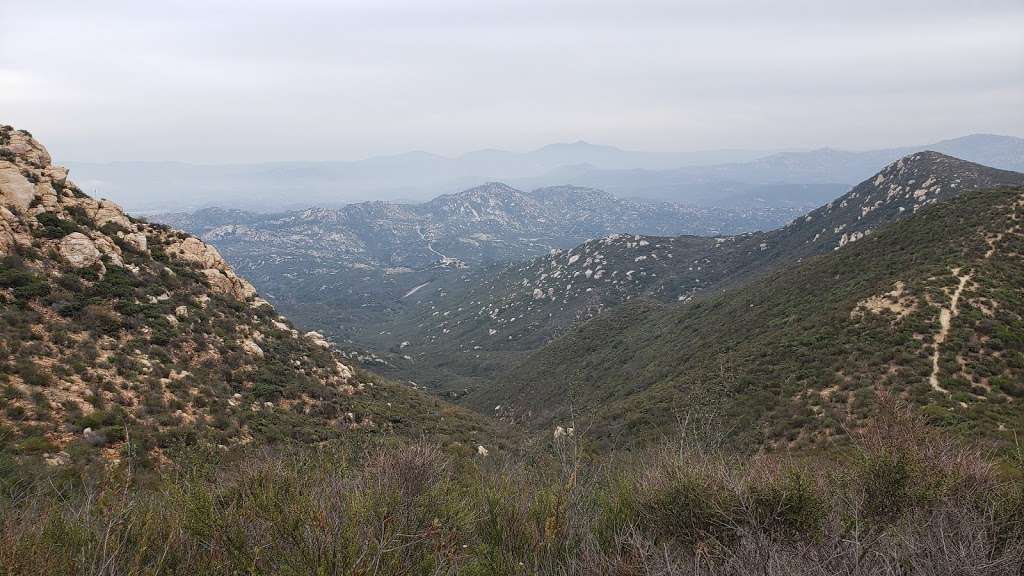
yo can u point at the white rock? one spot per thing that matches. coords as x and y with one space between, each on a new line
253 348
15 190
79 250
318 339
137 240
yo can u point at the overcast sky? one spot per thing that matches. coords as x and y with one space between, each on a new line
252 80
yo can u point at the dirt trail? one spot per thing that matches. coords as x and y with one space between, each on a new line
946 316
430 245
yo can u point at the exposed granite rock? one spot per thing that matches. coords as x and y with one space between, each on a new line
15 190
79 250
136 240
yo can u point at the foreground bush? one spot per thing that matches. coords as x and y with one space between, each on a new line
904 501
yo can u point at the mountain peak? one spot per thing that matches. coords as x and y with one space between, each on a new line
898 190
491 190
941 169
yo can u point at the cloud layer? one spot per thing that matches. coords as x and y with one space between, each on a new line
225 81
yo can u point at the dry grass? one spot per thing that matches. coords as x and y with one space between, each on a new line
906 501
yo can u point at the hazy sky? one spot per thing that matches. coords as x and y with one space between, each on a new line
223 81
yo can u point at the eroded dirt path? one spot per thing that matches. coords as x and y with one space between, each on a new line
946 316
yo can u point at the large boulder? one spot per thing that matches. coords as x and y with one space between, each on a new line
195 250
252 348
137 240
106 211
46 197
9 236
227 282
108 248
79 250
15 190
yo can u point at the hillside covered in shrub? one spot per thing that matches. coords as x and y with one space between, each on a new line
929 309
120 338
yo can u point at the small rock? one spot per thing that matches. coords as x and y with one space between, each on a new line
253 348
94 438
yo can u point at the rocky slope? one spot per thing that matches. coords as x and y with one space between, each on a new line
124 338
521 306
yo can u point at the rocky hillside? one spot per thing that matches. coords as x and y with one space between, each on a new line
521 306
928 309
120 337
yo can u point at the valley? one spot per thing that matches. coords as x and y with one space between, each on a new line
474 328
512 288
497 354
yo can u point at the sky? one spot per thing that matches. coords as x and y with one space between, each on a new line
219 81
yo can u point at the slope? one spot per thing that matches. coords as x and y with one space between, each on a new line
929 309
119 337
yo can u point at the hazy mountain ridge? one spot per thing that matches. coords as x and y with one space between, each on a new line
708 178
808 176
407 176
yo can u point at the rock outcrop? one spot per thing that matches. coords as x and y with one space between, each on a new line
218 273
150 306
15 190
39 204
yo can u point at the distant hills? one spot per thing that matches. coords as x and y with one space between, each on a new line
121 334
357 263
804 176
732 178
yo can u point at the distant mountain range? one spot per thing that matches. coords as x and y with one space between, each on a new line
726 178
804 177
533 307
365 258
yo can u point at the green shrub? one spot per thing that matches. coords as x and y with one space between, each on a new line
53 226
690 506
35 445
789 503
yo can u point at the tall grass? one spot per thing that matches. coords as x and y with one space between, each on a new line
906 500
